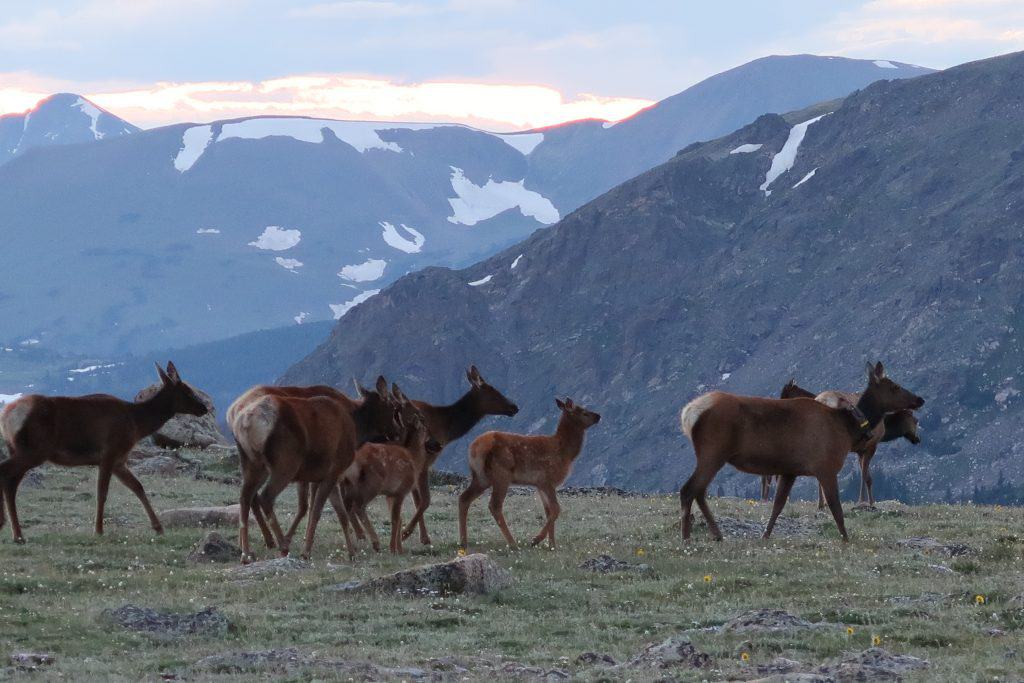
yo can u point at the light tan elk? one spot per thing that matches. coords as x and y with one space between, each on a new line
451 422
499 459
284 439
96 430
391 470
788 437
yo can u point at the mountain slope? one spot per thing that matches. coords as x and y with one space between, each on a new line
895 235
61 119
191 233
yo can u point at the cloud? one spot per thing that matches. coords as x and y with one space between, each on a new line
499 106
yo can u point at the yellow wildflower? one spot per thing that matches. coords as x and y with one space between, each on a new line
745 656
980 599
849 630
876 640
640 552
462 552
707 578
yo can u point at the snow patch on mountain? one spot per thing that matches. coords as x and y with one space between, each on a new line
522 142
806 178
301 317
194 142
369 270
515 262
395 239
93 112
288 263
341 309
786 157
9 398
481 281
276 238
207 231
475 203
747 148
885 64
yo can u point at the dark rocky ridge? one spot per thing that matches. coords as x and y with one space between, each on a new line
904 246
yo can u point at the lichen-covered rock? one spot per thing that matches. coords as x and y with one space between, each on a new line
208 622
267 568
606 564
765 621
475 573
214 548
162 465
669 654
30 661
224 515
928 545
873 664
187 430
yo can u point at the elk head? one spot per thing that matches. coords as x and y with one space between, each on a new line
487 398
886 395
182 397
585 418
379 416
415 427
902 423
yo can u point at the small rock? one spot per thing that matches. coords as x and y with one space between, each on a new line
162 465
534 673
926 545
595 659
30 661
779 665
475 573
214 548
606 564
873 664
941 569
671 653
225 515
995 632
765 621
267 568
208 622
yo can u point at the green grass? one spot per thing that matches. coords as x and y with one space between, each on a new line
53 590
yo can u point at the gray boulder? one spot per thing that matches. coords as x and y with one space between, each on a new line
187 431
475 573
214 548
207 622
268 568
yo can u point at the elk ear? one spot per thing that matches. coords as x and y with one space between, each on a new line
397 393
569 405
561 406
879 370
871 373
164 379
474 376
172 372
382 386
360 389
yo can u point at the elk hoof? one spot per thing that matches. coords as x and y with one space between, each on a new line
247 558
159 529
305 557
20 540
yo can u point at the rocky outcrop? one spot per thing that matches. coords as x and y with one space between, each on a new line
606 564
675 652
214 548
268 568
187 431
927 545
207 622
765 621
471 574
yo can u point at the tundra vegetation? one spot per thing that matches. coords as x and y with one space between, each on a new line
957 606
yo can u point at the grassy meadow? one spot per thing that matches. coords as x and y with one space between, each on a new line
54 589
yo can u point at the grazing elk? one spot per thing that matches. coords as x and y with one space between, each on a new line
498 459
311 439
391 470
448 423
788 437
96 430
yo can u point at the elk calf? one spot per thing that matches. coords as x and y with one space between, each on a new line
787 437
498 459
391 470
96 430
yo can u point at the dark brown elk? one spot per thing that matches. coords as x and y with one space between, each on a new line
391 470
96 430
313 439
791 390
788 437
499 459
450 422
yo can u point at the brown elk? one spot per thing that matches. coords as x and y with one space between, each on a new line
498 459
791 390
451 422
391 470
312 439
788 437
96 430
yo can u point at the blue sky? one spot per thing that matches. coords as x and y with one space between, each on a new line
155 61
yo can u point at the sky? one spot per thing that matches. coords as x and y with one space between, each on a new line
497 64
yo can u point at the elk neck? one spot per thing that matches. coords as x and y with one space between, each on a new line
151 414
460 417
569 435
869 406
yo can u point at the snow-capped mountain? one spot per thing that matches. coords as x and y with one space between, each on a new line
197 232
61 119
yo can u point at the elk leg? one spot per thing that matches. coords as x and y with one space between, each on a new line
10 478
353 515
422 492
766 487
102 487
395 503
300 512
247 498
368 526
278 482
498 492
830 486
419 509
323 490
865 475
552 509
125 476
472 492
705 509
695 488
781 495
261 520
256 474
341 511
821 498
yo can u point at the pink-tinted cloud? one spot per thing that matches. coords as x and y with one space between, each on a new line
495 105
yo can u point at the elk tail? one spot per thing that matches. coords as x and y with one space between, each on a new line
693 411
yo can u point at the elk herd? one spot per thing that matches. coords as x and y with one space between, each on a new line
349 451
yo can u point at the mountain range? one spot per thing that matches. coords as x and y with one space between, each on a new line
885 226
125 241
